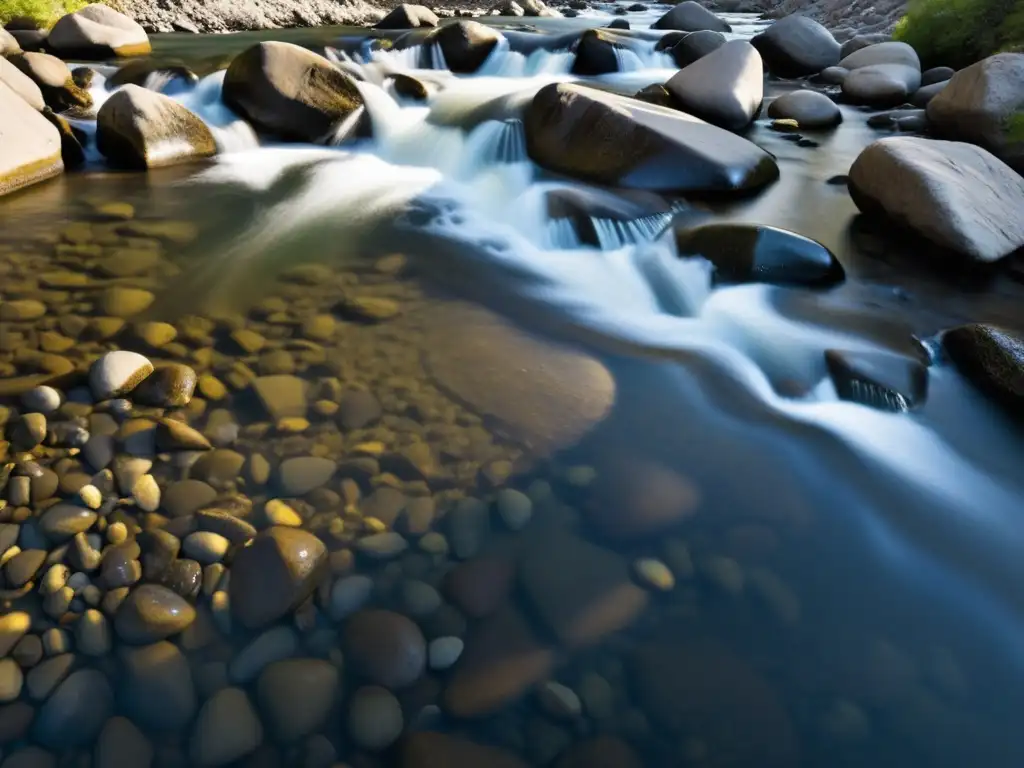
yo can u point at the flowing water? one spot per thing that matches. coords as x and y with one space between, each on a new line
848 579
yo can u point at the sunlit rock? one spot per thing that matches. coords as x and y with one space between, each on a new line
724 87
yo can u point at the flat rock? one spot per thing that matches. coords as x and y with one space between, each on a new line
151 613
724 87
30 152
882 53
638 145
385 647
743 253
956 195
992 359
296 696
281 396
358 409
156 686
98 32
797 46
75 711
274 574
186 497
226 729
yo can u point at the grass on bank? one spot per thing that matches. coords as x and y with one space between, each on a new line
957 33
45 12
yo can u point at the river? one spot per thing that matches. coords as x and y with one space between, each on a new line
847 580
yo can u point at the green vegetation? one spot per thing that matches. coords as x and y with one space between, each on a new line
957 33
1015 128
45 12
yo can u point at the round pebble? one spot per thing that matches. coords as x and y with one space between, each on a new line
514 508
117 373
205 547
41 399
146 493
374 718
443 652
277 512
226 729
348 595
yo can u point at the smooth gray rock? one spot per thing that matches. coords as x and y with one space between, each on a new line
881 84
882 53
725 87
275 644
810 109
691 17
796 46
31 150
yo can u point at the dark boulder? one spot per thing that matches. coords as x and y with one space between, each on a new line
465 44
797 46
754 253
595 53
696 45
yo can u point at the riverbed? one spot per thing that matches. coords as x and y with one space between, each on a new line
693 551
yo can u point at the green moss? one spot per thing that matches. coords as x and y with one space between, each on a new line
1015 128
44 12
957 33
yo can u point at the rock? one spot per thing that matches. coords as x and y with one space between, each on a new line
949 192
275 644
582 592
386 648
882 53
219 467
11 680
701 687
13 627
184 577
881 84
8 44
832 76
600 752
443 652
21 84
479 587
174 435
75 712
427 749
170 385
753 253
92 634
156 687
274 574
62 521
654 574
291 92
596 53
122 745
725 87
857 42
408 16
880 379
374 718
366 309
43 678
691 17
696 45
810 109
923 96
514 508
54 80
41 399
150 613
205 547
936 75
992 359
302 474
796 46
186 497
281 396
639 146
984 104
30 152
296 697
117 374
559 701
28 431
382 546
71 150
469 525
465 44
226 729
97 32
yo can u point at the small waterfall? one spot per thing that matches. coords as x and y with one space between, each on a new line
632 60
495 142
231 132
615 233
437 57
504 62
560 234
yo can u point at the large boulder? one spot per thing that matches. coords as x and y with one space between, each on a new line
290 92
98 32
54 80
30 150
882 53
725 87
984 104
810 109
465 44
139 128
691 17
957 195
881 85
696 45
797 46
408 16
21 84
614 140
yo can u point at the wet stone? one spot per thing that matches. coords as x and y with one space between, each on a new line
48 674
62 521
152 613
479 587
882 380
385 647
92 634
382 546
559 701
367 309
205 547
443 652
348 595
117 374
75 712
273 645
358 409
226 729
22 310
11 680
169 386
183 577
281 396
119 567
224 525
654 574
29 431
156 686
24 566
992 359
219 467
375 718
300 475
122 302
296 696
468 526
186 497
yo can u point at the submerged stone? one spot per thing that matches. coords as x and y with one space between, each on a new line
747 253
881 380
614 140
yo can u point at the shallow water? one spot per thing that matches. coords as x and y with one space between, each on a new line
846 580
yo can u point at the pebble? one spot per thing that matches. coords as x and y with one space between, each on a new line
184 577
302 474
348 595
514 508
29 431
91 496
56 604
226 729
117 533
443 652
151 613
296 696
119 301
434 543
248 341
19 491
155 334
367 309
419 599
22 310
24 566
74 713
122 745
99 451
170 386
559 701
282 396
48 674
276 512
382 546
468 527
62 521
11 680
92 634
186 497
41 399
28 652
358 409
374 718
146 493
654 574
386 647
273 645
156 686
82 555
117 373
221 522
205 547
